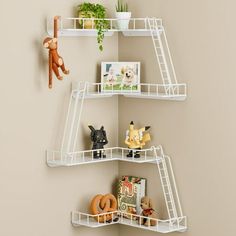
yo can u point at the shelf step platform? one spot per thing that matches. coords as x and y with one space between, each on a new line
178 224
176 92
60 158
71 26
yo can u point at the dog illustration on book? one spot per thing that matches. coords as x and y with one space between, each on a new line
129 78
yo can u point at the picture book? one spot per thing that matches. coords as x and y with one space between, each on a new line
130 191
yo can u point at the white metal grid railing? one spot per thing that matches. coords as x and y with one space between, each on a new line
118 217
163 54
75 23
86 219
143 89
113 153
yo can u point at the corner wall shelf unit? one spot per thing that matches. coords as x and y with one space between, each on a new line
177 222
151 27
170 89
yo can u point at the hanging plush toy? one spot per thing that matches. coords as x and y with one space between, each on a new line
55 61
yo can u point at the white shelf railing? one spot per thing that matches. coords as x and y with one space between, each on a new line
60 158
145 90
118 217
74 26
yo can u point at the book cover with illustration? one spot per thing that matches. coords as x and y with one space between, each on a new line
130 191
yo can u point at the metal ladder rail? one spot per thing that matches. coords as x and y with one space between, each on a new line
168 194
165 70
169 56
80 113
170 201
70 125
66 123
175 186
162 184
161 58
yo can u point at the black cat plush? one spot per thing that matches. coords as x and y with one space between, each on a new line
99 139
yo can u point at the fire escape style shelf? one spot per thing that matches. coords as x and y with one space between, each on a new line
76 27
58 158
176 220
118 217
170 89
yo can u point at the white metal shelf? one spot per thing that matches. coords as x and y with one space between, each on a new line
137 27
70 27
169 90
178 224
59 158
176 92
176 221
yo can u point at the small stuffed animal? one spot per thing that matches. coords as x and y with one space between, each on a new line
148 211
55 61
99 139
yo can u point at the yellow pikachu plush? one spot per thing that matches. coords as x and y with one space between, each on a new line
135 139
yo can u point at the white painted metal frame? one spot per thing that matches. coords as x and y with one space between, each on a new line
93 90
169 90
69 27
163 226
137 27
59 158
163 55
176 220
148 91
73 118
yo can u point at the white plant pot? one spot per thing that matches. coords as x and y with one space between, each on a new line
123 19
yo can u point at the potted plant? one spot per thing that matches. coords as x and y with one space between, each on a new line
97 11
123 15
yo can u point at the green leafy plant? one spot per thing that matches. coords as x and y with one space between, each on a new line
121 7
90 10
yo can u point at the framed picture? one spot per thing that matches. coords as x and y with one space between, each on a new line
120 77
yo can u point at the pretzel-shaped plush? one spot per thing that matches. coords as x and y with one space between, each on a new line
102 204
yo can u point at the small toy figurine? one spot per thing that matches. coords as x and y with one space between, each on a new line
148 211
136 140
99 139
55 61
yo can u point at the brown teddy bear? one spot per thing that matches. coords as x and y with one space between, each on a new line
148 211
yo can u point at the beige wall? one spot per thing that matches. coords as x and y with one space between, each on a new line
198 134
37 200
